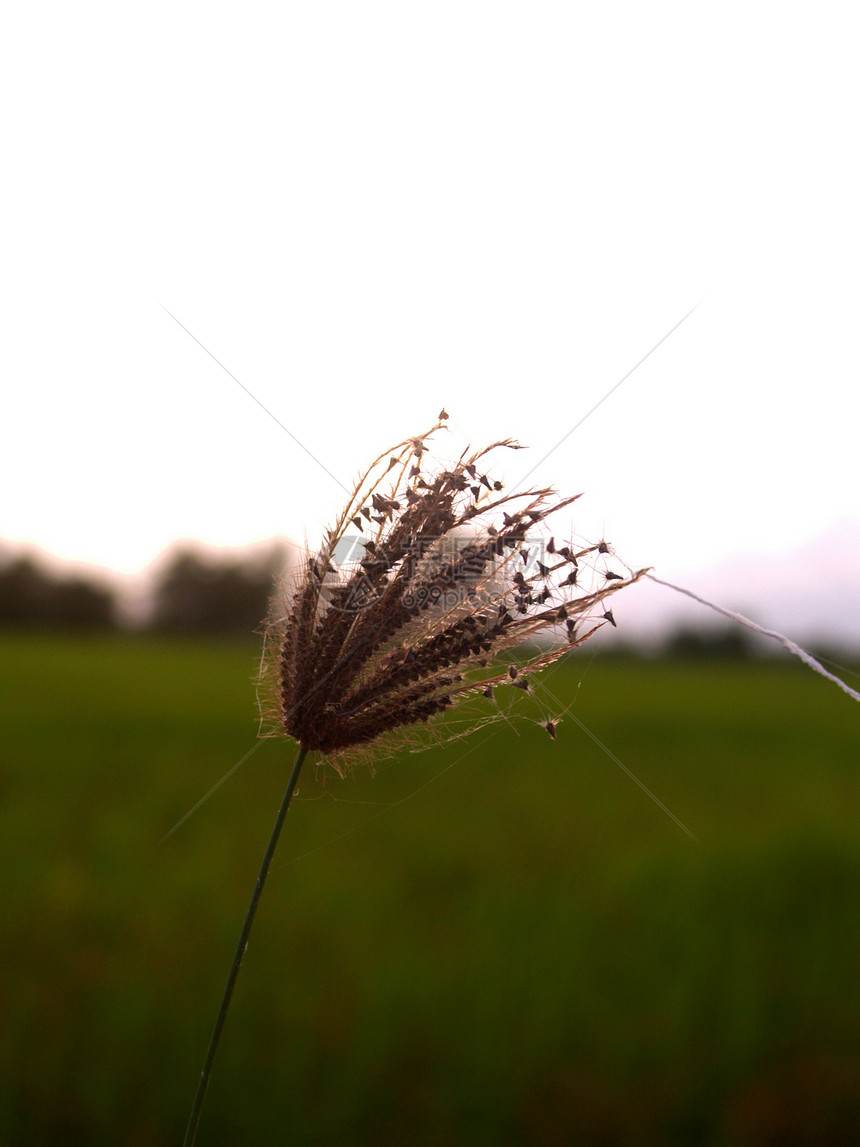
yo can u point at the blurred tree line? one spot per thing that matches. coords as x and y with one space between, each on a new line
31 597
196 591
200 593
193 592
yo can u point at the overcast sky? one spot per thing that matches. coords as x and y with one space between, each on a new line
368 211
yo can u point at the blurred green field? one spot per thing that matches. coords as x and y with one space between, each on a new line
525 950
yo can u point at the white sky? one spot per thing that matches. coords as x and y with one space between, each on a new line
366 211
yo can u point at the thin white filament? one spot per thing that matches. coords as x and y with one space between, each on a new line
786 642
214 789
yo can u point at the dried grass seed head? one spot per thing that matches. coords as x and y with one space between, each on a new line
445 586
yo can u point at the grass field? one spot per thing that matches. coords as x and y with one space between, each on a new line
499 941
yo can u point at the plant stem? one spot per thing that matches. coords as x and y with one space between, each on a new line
194 1118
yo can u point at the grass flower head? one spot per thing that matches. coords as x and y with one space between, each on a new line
451 572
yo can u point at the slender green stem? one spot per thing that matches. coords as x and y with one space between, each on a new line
194 1118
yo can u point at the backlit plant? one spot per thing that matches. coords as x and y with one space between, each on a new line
428 577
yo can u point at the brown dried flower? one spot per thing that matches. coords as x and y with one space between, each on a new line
450 578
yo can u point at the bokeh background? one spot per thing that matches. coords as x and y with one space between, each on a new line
245 250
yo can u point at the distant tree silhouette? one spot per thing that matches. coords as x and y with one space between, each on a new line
32 598
24 592
81 604
200 593
718 644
